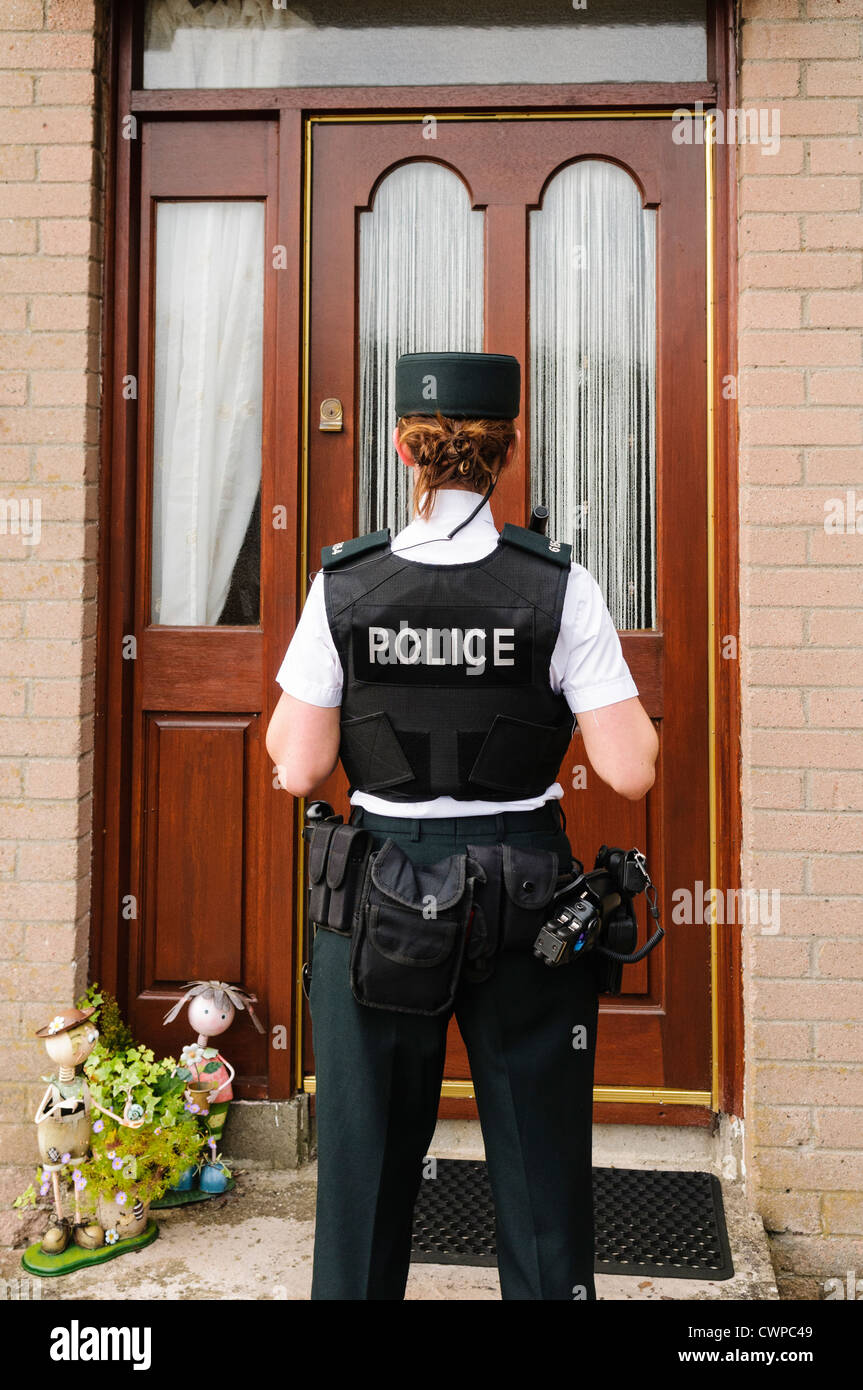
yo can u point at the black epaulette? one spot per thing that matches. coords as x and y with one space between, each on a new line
334 555
559 552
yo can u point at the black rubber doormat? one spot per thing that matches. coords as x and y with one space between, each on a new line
666 1224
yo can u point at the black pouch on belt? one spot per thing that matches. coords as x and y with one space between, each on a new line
529 880
337 861
410 931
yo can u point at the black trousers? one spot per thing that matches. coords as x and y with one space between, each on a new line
530 1033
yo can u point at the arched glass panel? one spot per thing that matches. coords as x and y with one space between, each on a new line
592 387
421 290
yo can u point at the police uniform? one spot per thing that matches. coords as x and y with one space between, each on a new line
459 665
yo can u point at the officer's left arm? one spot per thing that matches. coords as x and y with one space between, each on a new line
303 742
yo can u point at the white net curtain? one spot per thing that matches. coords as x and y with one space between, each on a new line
421 290
592 389
207 402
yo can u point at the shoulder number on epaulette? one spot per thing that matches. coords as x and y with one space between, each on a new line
334 555
558 552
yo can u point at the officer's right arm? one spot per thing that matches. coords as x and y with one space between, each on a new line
619 738
622 746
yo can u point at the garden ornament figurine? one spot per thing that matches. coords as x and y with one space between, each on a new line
212 1008
63 1123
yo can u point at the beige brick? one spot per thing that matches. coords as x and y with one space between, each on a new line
839 1042
57 620
838 1127
16 88
836 156
803 426
53 943
47 51
839 310
842 1213
774 466
772 386
13 697
66 463
807 748
17 237
781 1125
782 871
770 233
789 1212
67 164
760 309
759 158
64 388
816 269
42 125
11 789
840 386
775 709
58 697
13 311
835 874
836 709
837 466
824 918
795 587
17 164
841 791
779 1041
47 423
62 236
815 999
57 313
773 545
65 88
776 789
809 348
52 779
841 959
772 956
842 79
808 40
841 230
765 628
809 667
13 388
771 79
770 192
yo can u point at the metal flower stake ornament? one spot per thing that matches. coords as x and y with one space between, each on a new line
63 1124
212 1008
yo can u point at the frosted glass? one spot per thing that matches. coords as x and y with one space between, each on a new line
421 290
592 379
385 43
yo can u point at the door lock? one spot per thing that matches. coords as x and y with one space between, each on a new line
331 414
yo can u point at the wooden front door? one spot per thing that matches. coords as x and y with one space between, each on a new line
530 236
210 856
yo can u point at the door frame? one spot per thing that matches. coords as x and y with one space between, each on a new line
295 110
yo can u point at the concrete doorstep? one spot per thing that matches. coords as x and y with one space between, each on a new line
257 1241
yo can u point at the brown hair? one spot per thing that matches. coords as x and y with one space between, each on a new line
454 453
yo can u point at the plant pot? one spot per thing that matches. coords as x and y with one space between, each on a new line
213 1178
122 1219
186 1180
200 1095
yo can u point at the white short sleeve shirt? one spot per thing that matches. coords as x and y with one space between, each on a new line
587 663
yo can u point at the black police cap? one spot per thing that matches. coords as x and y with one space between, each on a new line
464 385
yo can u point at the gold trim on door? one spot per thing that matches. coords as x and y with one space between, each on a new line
633 1095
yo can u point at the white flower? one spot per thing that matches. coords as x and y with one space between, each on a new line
191 1055
57 1023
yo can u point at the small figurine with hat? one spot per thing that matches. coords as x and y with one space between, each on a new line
63 1122
212 1009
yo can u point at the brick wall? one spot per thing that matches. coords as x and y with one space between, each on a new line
801 430
52 171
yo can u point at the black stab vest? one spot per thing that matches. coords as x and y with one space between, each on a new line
446 668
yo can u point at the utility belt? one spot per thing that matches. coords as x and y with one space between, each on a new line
417 930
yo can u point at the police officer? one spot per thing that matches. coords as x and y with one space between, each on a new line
445 667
